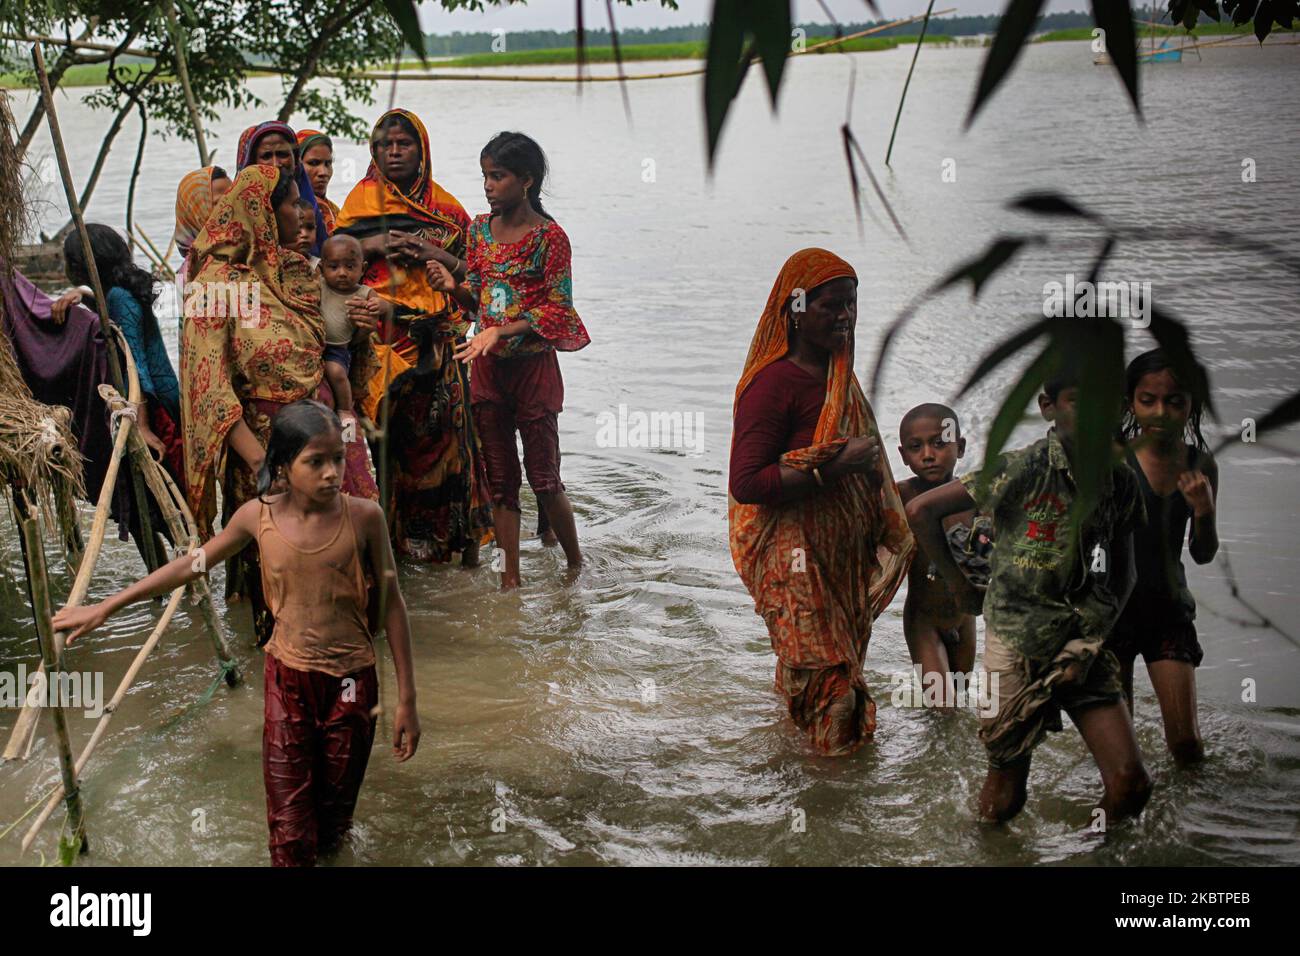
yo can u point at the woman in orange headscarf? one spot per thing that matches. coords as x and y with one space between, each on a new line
242 361
196 195
818 532
403 218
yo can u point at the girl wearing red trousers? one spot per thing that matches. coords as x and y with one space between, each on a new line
518 282
317 547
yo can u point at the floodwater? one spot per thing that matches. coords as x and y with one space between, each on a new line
629 718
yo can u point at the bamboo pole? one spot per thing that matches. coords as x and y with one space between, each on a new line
34 554
183 74
25 726
148 543
161 256
109 710
183 527
908 82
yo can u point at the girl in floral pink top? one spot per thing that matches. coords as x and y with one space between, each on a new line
518 282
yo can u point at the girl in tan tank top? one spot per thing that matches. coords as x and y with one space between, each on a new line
316 547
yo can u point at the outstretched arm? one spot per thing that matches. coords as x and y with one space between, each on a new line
239 532
397 627
925 513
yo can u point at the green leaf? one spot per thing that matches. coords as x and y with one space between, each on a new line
1116 18
1049 204
408 22
1012 411
982 268
1017 23
1171 335
1264 18
769 22
1007 348
724 69
1096 348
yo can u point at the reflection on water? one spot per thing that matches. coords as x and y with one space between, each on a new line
629 717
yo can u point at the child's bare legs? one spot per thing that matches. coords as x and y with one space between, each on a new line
1175 685
506 520
1004 792
935 655
337 376
560 515
1107 729
544 530
961 655
469 555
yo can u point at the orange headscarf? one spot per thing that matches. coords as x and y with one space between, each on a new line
193 206
425 209
823 567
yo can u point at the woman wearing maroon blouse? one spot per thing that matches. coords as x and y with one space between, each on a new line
818 532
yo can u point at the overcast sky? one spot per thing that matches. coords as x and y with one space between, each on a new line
559 14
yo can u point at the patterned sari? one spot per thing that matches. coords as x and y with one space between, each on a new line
193 206
823 567
247 151
439 484
237 366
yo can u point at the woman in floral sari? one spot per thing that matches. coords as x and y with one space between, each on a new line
276 144
818 533
403 218
242 361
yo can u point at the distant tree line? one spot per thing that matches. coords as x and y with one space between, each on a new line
454 44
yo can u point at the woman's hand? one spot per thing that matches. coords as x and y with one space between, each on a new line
364 313
481 344
440 279
156 444
858 455
79 620
59 308
413 249
1197 492
406 732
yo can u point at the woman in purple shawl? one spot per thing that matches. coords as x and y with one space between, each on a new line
276 144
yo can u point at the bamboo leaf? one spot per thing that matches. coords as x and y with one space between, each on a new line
408 22
1211 9
1049 204
1116 18
724 68
1171 335
982 268
1096 349
1014 29
1012 411
769 22
1286 412
1264 18
1009 347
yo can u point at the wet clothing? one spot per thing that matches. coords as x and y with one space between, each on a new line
523 395
1042 591
1157 621
316 739
821 568
529 279
779 414
318 598
439 482
321 687
1026 699
519 387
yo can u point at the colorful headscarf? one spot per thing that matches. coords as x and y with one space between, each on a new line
307 138
228 356
376 205
193 206
853 534
247 151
